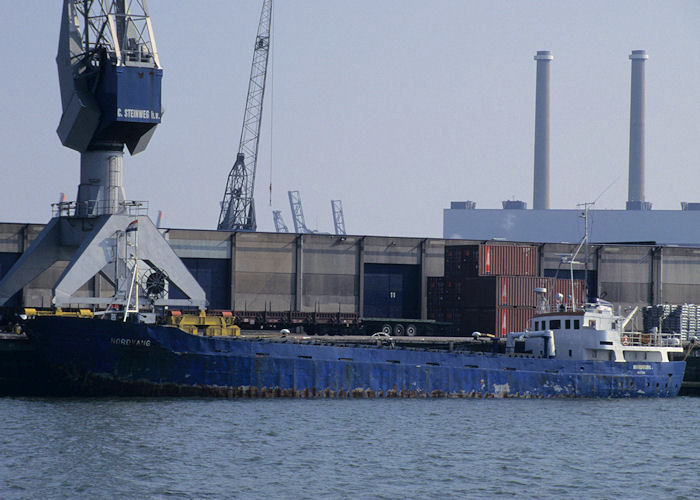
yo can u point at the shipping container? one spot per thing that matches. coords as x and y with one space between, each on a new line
435 296
512 291
509 260
579 274
470 261
462 260
497 321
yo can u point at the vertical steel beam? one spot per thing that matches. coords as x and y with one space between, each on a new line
361 274
423 279
299 275
232 271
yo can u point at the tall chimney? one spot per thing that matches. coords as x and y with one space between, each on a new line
540 192
635 196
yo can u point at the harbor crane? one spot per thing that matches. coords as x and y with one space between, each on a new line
109 75
298 213
338 217
280 226
238 205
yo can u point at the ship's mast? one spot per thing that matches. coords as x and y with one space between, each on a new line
132 264
586 207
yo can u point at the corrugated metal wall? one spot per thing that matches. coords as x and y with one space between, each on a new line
624 274
678 274
264 271
331 278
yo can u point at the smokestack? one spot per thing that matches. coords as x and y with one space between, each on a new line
635 196
540 192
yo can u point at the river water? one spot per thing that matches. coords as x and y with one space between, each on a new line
201 448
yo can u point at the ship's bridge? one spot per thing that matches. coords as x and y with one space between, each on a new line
592 333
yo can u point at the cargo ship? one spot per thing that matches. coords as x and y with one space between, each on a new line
566 352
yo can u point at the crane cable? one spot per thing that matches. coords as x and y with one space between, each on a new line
272 88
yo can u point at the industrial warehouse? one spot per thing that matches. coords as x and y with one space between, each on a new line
381 277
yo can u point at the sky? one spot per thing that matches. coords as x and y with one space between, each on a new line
395 107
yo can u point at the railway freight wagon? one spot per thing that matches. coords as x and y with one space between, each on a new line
339 324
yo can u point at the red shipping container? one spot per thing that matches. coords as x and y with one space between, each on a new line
563 286
513 291
497 321
520 290
508 260
469 261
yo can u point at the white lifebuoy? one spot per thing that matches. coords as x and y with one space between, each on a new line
625 340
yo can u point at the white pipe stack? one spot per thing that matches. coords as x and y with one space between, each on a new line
540 195
635 196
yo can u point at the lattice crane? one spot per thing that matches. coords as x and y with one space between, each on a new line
238 205
297 213
277 218
338 217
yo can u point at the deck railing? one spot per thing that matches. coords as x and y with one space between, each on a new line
651 339
94 208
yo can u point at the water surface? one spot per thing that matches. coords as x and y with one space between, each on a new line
201 448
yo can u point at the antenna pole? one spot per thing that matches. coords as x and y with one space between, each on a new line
585 263
584 242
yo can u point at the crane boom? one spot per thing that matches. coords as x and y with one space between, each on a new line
277 218
338 217
238 205
297 213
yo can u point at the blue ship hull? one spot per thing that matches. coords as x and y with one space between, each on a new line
99 357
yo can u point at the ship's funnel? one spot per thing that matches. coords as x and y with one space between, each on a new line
540 195
635 196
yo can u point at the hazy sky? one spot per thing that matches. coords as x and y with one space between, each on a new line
394 107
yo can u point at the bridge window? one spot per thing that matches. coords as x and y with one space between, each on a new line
537 325
567 324
555 323
576 324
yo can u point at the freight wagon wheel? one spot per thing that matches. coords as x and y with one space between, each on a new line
411 330
386 328
399 330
